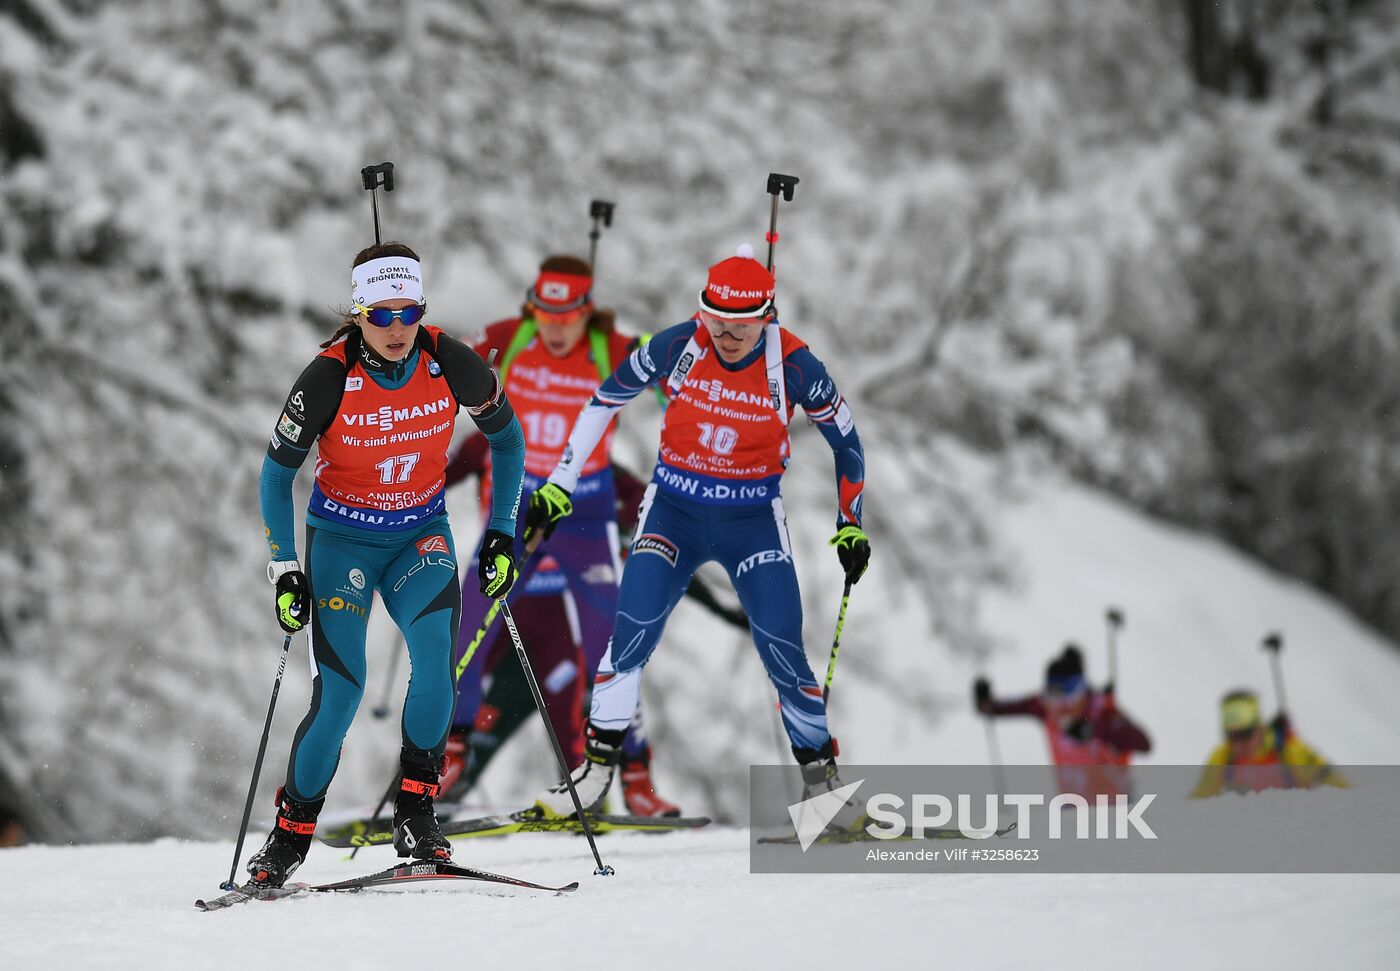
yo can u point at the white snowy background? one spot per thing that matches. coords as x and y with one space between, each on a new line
1110 337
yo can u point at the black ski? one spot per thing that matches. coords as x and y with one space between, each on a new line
406 872
250 891
860 835
402 873
521 822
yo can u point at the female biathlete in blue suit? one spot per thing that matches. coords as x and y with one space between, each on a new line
380 406
733 376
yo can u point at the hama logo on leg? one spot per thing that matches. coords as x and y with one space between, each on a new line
432 544
810 817
660 545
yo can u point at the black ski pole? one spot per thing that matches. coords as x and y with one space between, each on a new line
994 751
257 766
785 184
1273 643
598 209
381 710
1114 617
603 869
373 176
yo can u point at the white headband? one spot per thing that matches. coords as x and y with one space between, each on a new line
388 278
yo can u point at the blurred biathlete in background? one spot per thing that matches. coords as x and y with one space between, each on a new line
1255 756
380 405
1091 741
551 358
734 377
550 636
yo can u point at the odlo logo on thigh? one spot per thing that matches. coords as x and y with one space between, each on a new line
423 564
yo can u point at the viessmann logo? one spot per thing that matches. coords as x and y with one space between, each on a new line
726 292
715 390
544 379
1112 817
386 418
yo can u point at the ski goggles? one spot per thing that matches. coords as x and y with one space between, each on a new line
384 317
1065 690
718 326
560 318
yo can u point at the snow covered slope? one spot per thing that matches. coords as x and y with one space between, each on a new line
677 902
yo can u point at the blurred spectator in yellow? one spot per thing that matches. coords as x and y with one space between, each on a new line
1256 756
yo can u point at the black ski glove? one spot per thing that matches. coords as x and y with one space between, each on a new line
548 505
293 594
496 567
853 549
982 695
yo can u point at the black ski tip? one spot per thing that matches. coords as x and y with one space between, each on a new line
569 888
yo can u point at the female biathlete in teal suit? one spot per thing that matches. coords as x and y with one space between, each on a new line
380 405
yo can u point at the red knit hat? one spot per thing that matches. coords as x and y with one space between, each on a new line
738 287
558 293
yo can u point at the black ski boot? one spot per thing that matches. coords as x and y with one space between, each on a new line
591 779
288 842
818 767
819 775
416 830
